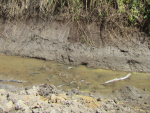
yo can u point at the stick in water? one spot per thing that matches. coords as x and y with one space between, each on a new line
62 85
117 79
14 81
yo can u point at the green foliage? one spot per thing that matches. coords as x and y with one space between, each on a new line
147 15
137 10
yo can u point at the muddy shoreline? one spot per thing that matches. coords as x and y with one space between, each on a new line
50 41
47 98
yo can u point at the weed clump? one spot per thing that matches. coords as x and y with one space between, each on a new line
114 17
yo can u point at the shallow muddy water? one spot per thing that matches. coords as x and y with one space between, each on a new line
64 77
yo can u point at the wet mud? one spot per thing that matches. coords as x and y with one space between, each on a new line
29 71
50 41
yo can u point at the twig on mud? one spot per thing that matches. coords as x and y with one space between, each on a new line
70 67
85 81
14 81
72 82
117 79
62 85
48 79
33 73
61 89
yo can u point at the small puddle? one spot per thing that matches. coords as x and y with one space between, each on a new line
37 72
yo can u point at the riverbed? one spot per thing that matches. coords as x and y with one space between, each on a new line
37 71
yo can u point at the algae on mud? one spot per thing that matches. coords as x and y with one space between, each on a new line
86 79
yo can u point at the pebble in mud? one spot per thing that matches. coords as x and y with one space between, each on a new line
35 110
99 99
60 100
6 106
32 91
74 102
53 98
115 100
53 111
21 106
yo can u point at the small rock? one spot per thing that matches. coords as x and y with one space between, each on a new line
6 106
27 88
76 91
67 102
8 95
115 101
35 111
91 95
53 98
23 92
75 110
108 107
60 100
99 99
97 111
74 102
32 91
66 110
9 105
49 101
52 86
36 105
3 92
69 93
20 105
53 111
109 101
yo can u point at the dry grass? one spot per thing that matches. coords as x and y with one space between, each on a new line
74 9
45 8
111 15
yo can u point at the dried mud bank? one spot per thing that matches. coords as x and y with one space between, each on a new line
47 98
51 41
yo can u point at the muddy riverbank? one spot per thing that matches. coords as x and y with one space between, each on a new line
18 39
34 72
77 89
47 98
51 41
92 33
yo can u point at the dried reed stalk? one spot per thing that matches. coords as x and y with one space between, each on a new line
14 81
117 79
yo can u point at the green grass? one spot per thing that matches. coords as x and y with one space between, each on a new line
137 11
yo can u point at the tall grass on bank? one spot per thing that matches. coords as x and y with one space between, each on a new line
138 11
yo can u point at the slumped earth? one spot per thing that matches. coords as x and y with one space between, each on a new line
66 77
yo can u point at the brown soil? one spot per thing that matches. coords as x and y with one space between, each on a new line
62 41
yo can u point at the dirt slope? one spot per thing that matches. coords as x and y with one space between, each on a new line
51 41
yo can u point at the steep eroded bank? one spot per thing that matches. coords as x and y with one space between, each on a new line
51 41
